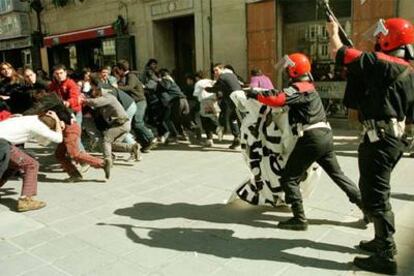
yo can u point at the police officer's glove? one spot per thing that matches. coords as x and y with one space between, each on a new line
251 93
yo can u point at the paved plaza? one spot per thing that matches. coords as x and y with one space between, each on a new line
166 215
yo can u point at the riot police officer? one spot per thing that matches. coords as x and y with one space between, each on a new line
383 92
315 142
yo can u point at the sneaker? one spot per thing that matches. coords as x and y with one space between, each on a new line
107 167
28 204
220 133
150 146
135 153
163 138
294 224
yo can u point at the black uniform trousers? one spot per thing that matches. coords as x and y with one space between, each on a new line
316 145
376 162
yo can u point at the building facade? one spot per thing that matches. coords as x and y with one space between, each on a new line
190 35
15 33
183 35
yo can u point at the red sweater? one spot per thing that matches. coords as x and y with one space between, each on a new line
68 91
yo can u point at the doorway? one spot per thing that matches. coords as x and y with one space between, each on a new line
174 45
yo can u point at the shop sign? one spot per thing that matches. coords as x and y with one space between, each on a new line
15 43
331 89
170 7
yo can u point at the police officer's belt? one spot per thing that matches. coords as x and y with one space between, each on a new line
391 127
317 125
298 128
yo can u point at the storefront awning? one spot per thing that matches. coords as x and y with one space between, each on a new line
75 36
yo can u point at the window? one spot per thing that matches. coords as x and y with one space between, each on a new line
108 51
27 57
108 47
313 32
73 62
312 51
323 51
5 5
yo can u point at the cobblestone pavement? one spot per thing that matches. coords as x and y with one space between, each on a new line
166 215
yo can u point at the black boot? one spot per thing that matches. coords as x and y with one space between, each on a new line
370 246
298 222
382 262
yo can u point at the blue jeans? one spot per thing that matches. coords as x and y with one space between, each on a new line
132 109
143 134
79 117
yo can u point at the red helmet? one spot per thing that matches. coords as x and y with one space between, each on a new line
299 65
394 33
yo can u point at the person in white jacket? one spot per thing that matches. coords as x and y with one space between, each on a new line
209 109
19 130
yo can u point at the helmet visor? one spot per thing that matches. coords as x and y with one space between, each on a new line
375 30
284 63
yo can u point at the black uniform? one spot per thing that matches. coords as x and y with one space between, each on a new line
384 95
315 144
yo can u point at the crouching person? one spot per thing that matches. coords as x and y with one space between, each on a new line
19 130
69 150
117 124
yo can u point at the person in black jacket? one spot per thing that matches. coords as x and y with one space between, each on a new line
176 106
227 82
133 87
384 97
12 88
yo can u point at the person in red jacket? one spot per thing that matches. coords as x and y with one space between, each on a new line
315 141
68 91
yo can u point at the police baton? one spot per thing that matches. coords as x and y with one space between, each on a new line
331 16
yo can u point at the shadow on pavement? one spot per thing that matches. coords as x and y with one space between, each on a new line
194 147
222 243
7 192
44 178
9 203
401 196
219 213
